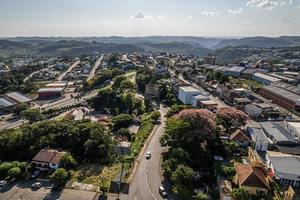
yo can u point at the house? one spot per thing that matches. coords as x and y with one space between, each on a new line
253 111
259 140
6 104
209 105
284 167
47 159
186 94
239 137
225 189
253 178
151 92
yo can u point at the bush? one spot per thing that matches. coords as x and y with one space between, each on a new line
14 172
68 161
155 115
59 177
122 121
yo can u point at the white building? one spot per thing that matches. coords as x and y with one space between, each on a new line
196 99
293 127
284 167
186 94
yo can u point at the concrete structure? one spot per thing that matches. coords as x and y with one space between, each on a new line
234 71
51 92
285 167
186 94
282 97
265 79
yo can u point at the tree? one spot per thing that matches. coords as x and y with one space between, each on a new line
59 177
68 161
122 121
19 108
240 194
182 181
155 115
202 121
14 172
32 115
124 132
201 196
231 118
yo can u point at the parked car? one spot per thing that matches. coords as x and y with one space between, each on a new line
36 174
36 185
148 155
162 191
3 182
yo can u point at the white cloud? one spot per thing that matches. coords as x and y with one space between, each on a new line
161 16
211 13
298 6
190 17
284 20
267 4
236 12
138 15
245 23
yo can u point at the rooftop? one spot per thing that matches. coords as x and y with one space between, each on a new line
50 90
282 92
5 103
277 131
267 77
189 89
18 97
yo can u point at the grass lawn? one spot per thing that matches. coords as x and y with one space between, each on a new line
95 174
246 83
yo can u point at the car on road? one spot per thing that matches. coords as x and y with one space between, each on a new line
148 155
37 185
3 182
162 191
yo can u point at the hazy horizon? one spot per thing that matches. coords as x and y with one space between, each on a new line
138 18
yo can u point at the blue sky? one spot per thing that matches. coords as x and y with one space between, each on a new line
149 17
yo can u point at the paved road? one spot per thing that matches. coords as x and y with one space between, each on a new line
12 124
97 63
70 69
148 176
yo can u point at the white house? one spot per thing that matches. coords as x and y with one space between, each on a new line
47 159
186 94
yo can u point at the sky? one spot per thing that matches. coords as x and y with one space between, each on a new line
214 18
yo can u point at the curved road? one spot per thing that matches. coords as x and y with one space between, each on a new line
148 176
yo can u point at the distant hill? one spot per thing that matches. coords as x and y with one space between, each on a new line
267 42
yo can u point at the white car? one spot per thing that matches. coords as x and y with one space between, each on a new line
3 182
148 155
36 185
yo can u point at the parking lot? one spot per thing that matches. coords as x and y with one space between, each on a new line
23 190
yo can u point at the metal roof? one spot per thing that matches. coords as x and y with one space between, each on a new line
18 97
276 131
282 92
266 77
285 164
5 103
51 90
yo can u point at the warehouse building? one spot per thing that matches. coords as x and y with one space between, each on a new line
265 79
18 98
234 71
51 92
281 97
